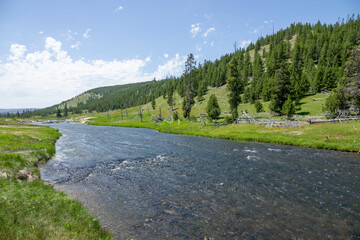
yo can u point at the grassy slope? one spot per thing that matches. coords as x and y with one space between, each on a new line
337 136
34 210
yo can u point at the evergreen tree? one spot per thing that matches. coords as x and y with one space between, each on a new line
189 71
259 107
58 113
213 109
235 86
288 107
153 103
329 79
280 90
65 110
201 91
170 100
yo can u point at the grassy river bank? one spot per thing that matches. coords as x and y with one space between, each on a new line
29 208
333 136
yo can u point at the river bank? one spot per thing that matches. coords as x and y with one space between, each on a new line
29 208
332 136
144 184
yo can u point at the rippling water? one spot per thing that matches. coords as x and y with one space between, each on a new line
144 184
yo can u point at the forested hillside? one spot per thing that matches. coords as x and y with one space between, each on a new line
301 59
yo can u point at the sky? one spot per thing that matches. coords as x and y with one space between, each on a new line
51 51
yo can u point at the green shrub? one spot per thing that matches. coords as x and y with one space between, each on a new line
213 109
175 116
259 107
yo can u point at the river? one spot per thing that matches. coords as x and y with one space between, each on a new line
143 184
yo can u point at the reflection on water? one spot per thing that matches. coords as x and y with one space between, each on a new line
144 184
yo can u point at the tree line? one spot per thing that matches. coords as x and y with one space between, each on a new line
280 68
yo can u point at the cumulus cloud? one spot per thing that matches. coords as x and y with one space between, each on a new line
212 44
17 52
119 8
86 34
75 45
268 21
43 78
195 29
244 43
166 55
172 67
208 31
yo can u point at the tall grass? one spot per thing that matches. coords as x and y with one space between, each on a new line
34 210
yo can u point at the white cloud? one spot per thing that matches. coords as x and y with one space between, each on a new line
119 8
47 77
40 32
17 52
69 35
195 29
172 67
268 21
75 45
212 44
198 47
86 34
208 31
52 44
166 55
207 16
245 43
255 30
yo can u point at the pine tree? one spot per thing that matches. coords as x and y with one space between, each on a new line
259 107
170 100
189 71
153 103
280 90
235 86
58 113
213 109
288 107
65 110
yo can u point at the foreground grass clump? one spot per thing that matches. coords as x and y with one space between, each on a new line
30 209
33 210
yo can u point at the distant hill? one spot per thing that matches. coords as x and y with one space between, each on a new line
15 110
297 61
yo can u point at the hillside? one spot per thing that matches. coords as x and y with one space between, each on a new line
296 62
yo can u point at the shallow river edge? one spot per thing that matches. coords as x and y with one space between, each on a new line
343 137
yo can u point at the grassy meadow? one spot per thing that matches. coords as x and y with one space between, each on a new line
336 136
29 208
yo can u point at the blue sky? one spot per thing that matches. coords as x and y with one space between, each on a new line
53 50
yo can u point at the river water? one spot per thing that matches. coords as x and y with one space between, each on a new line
143 184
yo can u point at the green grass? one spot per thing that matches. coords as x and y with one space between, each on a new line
312 108
336 136
34 210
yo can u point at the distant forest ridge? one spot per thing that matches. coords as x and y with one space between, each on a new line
301 59
15 110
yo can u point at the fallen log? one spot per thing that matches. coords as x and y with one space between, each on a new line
312 121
